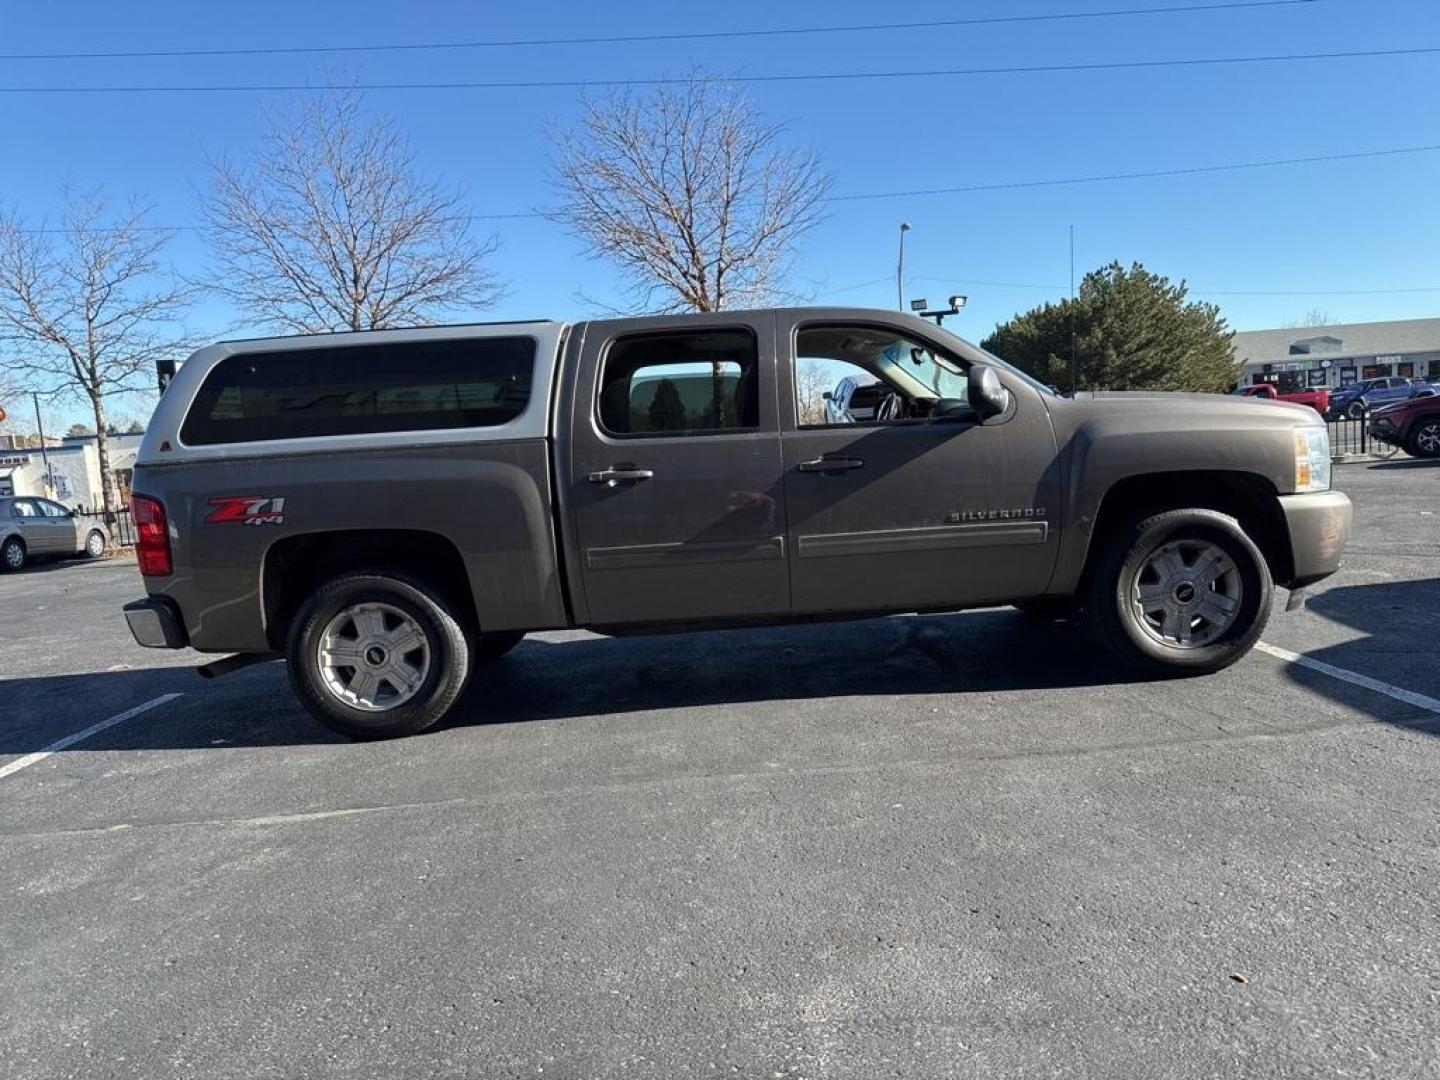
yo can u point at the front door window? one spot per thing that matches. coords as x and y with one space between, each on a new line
862 374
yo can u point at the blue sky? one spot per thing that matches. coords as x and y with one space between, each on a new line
1323 232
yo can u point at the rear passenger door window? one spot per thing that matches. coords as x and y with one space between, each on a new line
680 384
362 389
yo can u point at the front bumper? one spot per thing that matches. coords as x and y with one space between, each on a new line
155 623
1319 526
1383 429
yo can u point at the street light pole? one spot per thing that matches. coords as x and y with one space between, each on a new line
44 454
900 269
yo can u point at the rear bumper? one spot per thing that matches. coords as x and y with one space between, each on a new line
155 623
1319 526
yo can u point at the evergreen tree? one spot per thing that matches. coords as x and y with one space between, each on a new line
1133 330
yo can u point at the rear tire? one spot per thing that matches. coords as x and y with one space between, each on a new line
1180 592
408 656
12 554
95 544
1424 440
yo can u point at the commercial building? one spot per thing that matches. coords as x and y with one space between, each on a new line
1333 356
74 469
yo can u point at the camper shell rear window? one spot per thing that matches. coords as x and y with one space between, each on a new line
362 389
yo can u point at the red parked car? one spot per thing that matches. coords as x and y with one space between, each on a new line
1319 400
1412 425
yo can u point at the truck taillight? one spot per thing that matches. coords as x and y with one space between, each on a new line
152 548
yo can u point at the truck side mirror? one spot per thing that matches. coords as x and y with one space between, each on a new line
988 396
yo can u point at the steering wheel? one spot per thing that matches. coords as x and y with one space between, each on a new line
890 407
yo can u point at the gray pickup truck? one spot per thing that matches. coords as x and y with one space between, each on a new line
391 510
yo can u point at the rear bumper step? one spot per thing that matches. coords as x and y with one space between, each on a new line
155 623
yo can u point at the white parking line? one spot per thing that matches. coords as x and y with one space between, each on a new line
94 729
1409 697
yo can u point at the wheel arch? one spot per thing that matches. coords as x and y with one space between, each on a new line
295 566
1248 497
1409 438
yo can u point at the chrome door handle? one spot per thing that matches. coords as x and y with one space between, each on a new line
830 464
613 476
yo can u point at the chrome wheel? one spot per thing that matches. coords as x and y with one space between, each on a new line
14 555
373 657
1187 593
95 545
1427 438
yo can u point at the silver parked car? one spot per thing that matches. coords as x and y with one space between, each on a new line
31 527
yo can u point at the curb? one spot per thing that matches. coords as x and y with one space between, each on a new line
1356 459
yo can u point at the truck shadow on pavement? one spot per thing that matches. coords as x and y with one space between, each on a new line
978 652
1398 621
586 676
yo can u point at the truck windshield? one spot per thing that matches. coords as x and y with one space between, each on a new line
939 375
992 359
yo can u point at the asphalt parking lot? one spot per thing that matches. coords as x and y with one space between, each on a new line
923 846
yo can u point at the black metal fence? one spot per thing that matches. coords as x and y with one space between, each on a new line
122 525
1349 436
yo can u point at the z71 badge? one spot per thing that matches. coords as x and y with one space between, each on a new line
246 510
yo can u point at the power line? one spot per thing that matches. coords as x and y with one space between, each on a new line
986 284
1060 288
621 39
1007 185
1319 292
1148 174
832 76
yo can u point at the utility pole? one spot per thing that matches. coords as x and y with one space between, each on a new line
44 454
1073 389
900 269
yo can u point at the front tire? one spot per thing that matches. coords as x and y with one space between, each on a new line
95 544
1181 592
377 655
1425 439
12 554
1356 410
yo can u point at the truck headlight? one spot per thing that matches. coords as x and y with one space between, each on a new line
1312 458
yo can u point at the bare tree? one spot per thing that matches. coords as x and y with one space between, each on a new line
10 401
329 227
690 191
87 308
810 388
1313 317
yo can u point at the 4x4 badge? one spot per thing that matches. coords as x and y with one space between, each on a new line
246 510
